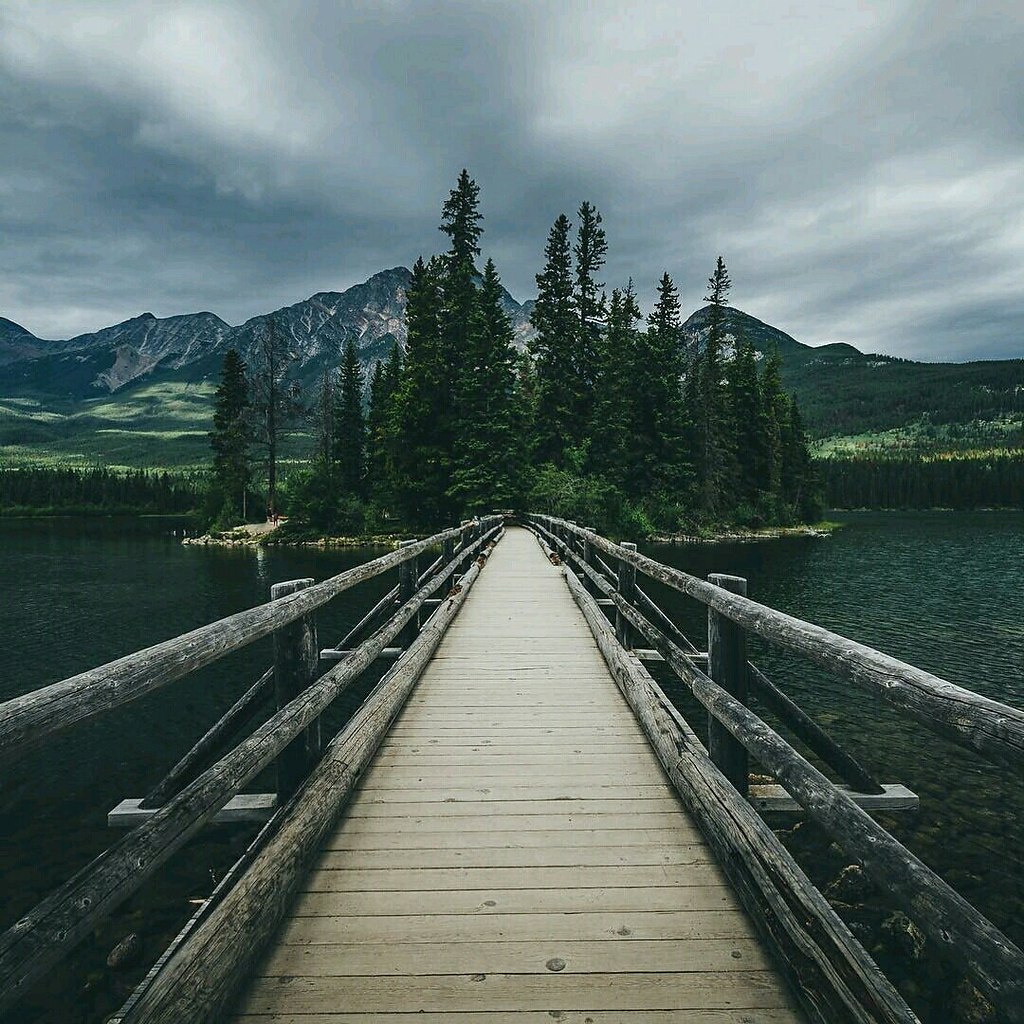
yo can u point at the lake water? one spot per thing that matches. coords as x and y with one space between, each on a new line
942 591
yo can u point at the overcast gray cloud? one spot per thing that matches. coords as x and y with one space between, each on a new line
859 165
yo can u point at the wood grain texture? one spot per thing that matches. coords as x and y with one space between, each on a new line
27 720
980 723
514 817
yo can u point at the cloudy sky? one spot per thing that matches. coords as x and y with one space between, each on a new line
860 165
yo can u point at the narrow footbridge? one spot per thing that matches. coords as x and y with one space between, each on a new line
516 824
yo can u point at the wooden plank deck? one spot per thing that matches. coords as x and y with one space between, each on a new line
515 853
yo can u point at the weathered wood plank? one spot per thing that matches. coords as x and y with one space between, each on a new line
27 720
693 1016
330 879
205 971
454 993
538 928
980 723
597 957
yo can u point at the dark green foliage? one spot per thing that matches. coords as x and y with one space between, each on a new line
660 460
274 400
349 435
613 420
957 480
484 462
713 445
230 440
561 421
74 492
424 405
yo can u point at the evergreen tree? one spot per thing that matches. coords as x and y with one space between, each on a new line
421 441
349 452
230 438
275 405
324 414
775 410
613 429
484 456
749 425
713 452
558 425
591 251
660 464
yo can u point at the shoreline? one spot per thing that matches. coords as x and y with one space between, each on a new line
255 535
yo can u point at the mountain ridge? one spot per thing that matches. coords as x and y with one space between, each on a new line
144 386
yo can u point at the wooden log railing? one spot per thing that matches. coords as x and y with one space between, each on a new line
955 927
47 932
201 973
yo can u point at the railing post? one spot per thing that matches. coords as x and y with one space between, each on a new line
296 657
727 666
627 590
447 554
408 574
588 558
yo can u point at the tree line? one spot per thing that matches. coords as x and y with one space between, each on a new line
605 418
957 480
41 490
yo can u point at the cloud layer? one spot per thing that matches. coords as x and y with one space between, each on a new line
859 165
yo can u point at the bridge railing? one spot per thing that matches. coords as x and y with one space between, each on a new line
180 808
721 681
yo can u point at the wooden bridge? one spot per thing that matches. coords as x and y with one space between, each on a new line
516 824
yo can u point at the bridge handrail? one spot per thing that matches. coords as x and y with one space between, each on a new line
27 720
47 932
982 724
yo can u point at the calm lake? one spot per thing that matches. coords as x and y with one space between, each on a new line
942 591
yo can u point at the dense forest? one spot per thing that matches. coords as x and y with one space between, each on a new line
48 491
957 480
602 420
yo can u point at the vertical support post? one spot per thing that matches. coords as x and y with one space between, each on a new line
408 575
588 558
727 666
296 657
447 554
627 589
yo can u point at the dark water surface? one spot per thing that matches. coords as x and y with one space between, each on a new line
78 593
942 591
945 592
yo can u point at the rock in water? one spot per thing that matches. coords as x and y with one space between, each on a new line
850 886
125 953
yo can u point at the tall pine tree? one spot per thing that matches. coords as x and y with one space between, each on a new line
556 321
230 439
484 464
349 441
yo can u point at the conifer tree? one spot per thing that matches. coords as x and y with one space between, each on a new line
349 441
423 410
483 463
230 437
591 251
274 399
613 429
661 463
713 453
558 424
323 415
749 425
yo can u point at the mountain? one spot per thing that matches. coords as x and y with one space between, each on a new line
843 391
139 392
371 314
